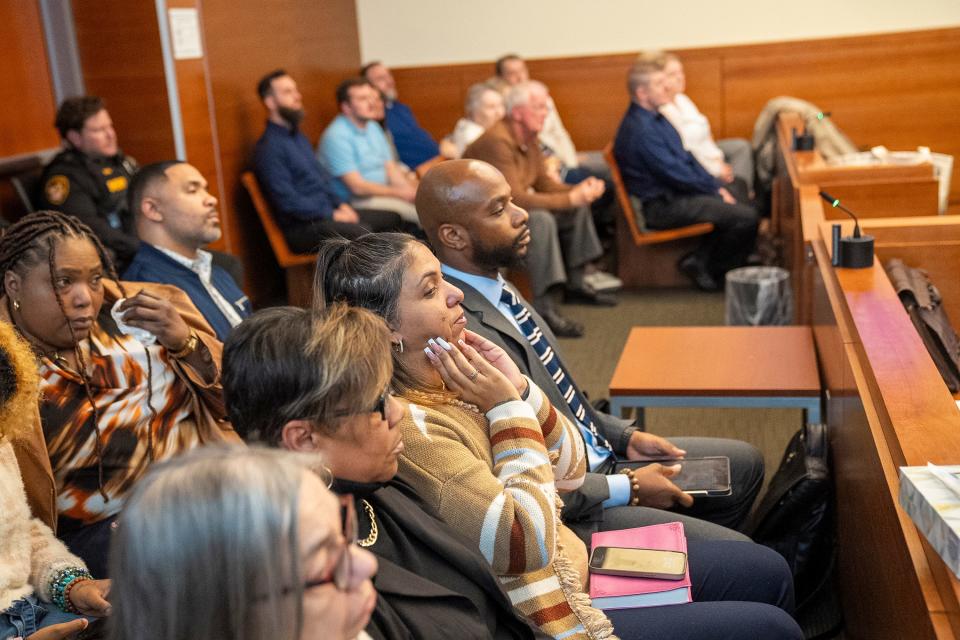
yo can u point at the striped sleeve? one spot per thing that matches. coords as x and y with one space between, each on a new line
505 505
568 456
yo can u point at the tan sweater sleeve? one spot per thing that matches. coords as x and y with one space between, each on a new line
567 451
506 508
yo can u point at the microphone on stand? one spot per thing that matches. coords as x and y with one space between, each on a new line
851 252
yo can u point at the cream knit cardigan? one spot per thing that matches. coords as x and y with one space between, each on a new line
29 552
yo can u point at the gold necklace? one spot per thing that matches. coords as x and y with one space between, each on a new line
372 536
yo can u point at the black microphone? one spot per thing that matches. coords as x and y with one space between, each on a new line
855 252
835 203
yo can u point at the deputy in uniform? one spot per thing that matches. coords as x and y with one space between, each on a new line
90 177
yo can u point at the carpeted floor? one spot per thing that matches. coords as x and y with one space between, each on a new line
593 358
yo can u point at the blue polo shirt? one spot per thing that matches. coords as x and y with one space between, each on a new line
344 147
298 188
414 145
653 161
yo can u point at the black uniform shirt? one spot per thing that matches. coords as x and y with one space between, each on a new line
95 191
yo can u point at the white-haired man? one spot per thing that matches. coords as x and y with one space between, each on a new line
557 210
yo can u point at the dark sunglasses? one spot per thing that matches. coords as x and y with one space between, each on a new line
380 407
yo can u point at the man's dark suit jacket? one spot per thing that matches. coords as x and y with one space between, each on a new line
483 318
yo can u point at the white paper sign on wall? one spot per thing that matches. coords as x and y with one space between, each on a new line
185 33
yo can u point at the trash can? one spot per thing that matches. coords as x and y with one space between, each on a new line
758 296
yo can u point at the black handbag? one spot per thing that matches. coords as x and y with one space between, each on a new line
795 519
924 305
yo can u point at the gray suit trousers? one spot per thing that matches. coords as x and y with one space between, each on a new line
561 242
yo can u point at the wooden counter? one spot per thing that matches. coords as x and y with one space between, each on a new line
876 191
887 406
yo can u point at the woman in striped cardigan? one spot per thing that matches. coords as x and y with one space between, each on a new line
484 447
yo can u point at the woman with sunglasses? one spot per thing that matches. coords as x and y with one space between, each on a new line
322 386
474 453
239 543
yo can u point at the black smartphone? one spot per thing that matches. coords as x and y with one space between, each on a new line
639 563
709 476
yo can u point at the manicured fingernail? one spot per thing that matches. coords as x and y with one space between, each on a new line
443 343
430 354
433 343
461 342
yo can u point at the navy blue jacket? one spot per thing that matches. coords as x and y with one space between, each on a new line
152 265
414 145
299 189
653 161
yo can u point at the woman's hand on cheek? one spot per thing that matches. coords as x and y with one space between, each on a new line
495 355
469 375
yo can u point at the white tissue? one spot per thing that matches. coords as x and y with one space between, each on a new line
142 336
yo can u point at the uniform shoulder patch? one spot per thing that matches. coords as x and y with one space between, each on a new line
57 189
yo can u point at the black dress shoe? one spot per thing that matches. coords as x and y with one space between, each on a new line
589 296
694 269
562 327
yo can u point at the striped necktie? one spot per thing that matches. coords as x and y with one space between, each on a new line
551 362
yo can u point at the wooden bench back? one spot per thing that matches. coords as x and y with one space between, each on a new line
285 257
641 237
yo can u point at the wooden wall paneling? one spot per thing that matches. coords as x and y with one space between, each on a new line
900 90
318 44
439 93
122 62
196 115
590 94
26 121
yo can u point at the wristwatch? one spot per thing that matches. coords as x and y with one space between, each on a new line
188 347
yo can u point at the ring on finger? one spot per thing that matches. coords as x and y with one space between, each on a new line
473 376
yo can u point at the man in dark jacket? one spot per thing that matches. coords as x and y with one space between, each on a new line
176 216
90 177
468 213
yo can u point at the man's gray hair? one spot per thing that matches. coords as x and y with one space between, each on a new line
519 94
207 548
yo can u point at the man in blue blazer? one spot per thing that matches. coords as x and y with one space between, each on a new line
475 229
176 216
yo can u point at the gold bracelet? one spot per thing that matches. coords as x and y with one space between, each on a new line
188 347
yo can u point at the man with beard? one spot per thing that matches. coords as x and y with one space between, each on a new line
305 201
89 178
176 217
511 146
467 212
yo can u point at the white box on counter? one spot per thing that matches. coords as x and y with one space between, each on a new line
935 509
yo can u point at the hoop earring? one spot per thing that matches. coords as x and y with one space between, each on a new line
16 305
398 346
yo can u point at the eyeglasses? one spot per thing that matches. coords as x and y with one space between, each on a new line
380 407
340 576
343 569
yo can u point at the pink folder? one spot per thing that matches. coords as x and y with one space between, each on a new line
668 536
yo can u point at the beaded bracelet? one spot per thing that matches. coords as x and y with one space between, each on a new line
634 486
61 584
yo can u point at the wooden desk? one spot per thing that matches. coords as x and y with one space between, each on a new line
871 192
717 367
887 406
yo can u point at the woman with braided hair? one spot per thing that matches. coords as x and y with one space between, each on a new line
112 403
